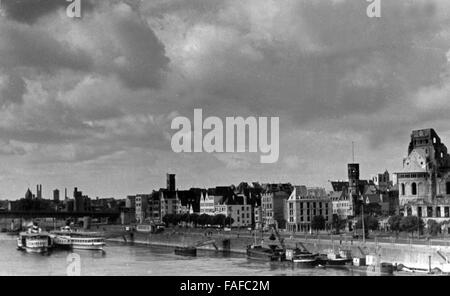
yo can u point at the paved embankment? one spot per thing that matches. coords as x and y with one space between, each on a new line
411 255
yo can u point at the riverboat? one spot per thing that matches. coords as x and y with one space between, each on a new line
34 240
68 238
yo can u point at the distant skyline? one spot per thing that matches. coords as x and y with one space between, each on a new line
88 102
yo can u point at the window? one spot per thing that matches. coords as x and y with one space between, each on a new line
419 211
429 211
414 189
447 187
446 212
438 212
403 189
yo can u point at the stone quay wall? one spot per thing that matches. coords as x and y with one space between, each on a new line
410 255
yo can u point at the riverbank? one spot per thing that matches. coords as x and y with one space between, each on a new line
410 255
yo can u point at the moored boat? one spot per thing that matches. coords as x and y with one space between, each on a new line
186 251
34 240
259 252
333 259
68 238
302 258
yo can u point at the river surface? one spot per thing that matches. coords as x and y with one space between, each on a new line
139 260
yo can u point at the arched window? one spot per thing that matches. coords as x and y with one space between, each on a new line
403 189
414 189
447 188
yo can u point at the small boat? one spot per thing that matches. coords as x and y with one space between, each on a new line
332 259
305 261
72 239
34 240
186 251
302 258
259 252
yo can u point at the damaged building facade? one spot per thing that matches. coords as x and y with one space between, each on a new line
424 181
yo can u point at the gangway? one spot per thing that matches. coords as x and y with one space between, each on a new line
208 242
442 256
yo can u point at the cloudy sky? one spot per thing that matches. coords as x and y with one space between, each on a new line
88 102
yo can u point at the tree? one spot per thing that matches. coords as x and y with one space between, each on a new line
338 223
370 222
372 209
318 223
178 218
168 219
184 217
194 218
219 219
394 223
433 227
411 224
229 221
203 219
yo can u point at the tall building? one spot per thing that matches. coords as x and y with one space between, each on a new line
39 191
305 203
424 181
81 203
273 201
171 182
141 205
56 195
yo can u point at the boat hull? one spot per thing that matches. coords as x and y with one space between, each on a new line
88 246
263 254
185 251
36 250
305 263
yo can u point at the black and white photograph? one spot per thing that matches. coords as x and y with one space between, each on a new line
225 138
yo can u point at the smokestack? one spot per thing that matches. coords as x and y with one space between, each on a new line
65 193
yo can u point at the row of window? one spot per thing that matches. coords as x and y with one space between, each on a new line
430 213
415 188
291 213
309 204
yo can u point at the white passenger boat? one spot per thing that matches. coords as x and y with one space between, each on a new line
68 238
34 240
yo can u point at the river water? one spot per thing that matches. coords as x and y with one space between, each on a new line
139 260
